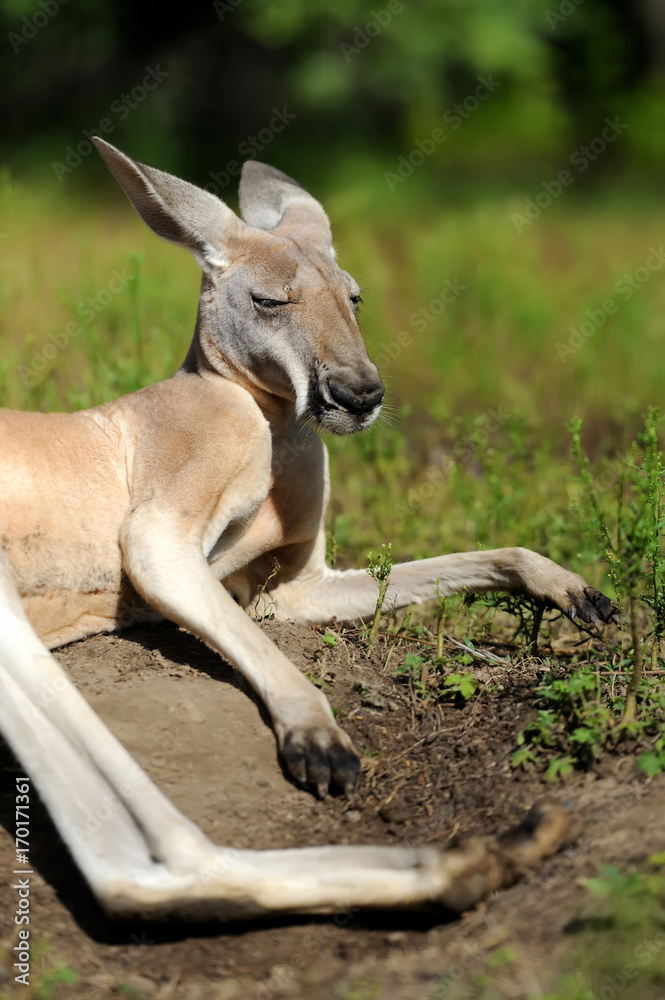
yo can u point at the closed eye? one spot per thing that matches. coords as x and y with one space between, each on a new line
268 303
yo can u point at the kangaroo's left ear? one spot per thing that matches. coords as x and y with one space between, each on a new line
271 200
178 211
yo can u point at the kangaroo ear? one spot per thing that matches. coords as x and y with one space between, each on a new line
175 210
271 200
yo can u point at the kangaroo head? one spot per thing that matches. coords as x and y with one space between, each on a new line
276 311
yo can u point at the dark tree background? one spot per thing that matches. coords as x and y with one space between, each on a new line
359 95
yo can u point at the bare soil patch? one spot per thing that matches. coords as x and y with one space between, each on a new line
430 773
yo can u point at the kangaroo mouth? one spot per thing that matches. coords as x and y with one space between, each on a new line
342 409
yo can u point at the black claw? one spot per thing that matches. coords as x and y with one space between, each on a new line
602 605
351 788
348 780
345 769
313 764
294 758
593 608
318 774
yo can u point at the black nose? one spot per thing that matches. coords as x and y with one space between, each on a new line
357 402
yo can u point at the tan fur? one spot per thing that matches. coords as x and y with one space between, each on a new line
197 495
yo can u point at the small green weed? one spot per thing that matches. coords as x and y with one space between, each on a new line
462 685
48 983
633 547
579 717
379 567
572 720
415 669
265 612
428 679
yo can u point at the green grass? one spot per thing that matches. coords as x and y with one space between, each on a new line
49 979
616 949
474 449
492 347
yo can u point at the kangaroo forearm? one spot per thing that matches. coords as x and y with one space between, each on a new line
350 594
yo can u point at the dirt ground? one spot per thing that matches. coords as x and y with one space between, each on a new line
429 774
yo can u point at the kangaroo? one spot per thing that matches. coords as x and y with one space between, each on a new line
176 502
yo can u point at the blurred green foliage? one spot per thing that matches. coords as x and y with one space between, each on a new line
478 377
363 81
472 447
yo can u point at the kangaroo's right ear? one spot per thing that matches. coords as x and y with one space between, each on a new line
271 200
176 210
